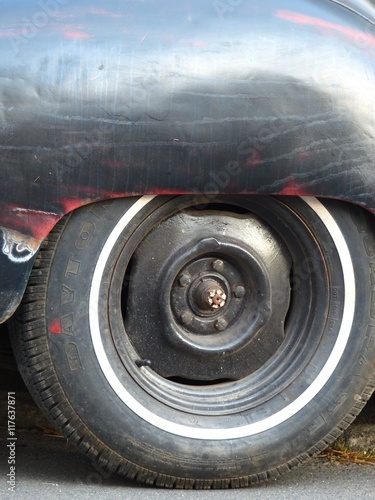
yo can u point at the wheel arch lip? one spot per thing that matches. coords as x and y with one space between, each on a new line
302 123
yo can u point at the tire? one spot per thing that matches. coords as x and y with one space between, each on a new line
196 343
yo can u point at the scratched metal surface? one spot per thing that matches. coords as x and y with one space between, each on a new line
178 97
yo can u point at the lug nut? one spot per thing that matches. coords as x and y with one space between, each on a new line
221 324
218 265
184 280
239 291
186 317
216 298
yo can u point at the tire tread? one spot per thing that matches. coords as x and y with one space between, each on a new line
31 350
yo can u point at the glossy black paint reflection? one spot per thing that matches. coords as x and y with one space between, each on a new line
134 97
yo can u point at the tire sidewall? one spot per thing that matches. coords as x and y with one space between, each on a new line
112 421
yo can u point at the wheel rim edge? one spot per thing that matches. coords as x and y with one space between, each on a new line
248 429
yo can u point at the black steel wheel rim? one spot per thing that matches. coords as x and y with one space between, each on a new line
166 358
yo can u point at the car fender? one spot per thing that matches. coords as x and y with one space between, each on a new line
227 97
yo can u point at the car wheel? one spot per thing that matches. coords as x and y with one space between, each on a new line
202 342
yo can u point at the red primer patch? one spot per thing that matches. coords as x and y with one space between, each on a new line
253 160
55 327
76 35
350 34
294 189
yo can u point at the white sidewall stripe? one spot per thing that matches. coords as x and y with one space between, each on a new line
248 429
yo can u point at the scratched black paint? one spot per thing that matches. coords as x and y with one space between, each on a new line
160 97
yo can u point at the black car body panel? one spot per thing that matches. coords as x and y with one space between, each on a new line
159 97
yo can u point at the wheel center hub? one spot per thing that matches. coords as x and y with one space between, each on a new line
209 295
203 296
